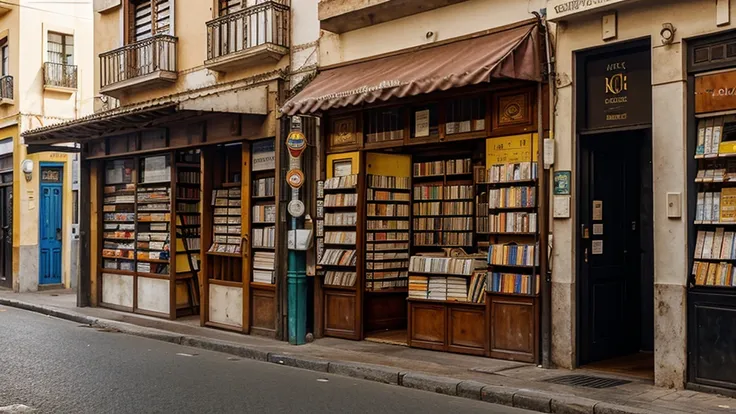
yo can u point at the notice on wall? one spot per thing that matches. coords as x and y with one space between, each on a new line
264 155
562 207
597 209
155 170
421 123
597 247
598 229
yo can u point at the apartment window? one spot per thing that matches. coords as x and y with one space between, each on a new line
60 48
150 17
229 6
5 56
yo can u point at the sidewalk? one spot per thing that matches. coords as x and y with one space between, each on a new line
496 381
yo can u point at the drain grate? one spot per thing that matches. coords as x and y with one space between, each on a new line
587 381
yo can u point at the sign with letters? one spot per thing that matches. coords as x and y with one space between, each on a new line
558 9
618 89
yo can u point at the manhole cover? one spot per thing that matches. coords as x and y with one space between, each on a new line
587 381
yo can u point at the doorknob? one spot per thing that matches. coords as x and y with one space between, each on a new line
585 255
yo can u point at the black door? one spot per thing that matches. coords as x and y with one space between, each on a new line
6 233
610 254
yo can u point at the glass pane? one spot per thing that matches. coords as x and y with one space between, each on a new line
384 125
465 115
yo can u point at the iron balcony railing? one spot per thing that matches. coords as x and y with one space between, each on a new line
253 26
157 53
60 75
6 87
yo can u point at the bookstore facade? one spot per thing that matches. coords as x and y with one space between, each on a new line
427 207
182 211
644 129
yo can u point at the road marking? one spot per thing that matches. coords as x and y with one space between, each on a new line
16 408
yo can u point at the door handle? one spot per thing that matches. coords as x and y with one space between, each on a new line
585 255
58 234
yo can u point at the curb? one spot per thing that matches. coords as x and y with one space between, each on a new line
500 395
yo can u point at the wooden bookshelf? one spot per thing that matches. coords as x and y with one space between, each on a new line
188 230
263 238
443 204
387 223
339 257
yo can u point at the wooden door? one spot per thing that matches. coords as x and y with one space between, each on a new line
610 249
50 226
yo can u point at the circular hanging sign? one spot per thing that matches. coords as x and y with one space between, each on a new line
296 142
295 178
295 208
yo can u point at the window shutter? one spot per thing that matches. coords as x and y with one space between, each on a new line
142 21
163 17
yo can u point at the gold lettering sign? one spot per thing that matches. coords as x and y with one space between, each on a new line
343 132
716 92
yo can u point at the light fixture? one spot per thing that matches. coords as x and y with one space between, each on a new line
27 167
667 33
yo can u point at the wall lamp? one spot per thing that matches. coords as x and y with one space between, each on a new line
27 167
667 33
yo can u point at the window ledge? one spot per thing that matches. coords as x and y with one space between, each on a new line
59 89
6 101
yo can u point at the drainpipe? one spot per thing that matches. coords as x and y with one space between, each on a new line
547 251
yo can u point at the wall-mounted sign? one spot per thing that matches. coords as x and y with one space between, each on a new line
295 178
716 92
295 208
618 89
264 155
557 9
562 181
296 143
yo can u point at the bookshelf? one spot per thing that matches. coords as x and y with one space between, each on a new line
188 230
446 309
388 200
263 238
714 221
338 256
443 204
513 282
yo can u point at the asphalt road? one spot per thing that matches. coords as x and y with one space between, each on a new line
56 366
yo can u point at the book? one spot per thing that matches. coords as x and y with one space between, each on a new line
708 136
717 243
700 148
700 207
699 245
710 279
717 128
727 205
708 207
727 246
716 206
708 245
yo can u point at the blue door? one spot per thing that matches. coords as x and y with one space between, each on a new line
49 263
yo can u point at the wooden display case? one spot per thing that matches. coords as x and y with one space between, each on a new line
458 327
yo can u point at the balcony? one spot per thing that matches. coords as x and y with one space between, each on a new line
340 16
58 77
252 36
144 64
6 90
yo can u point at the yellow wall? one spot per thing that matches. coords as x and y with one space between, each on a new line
353 156
393 165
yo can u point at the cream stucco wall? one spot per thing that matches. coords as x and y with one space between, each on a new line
642 19
446 23
190 28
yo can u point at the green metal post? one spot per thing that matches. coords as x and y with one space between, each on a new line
297 281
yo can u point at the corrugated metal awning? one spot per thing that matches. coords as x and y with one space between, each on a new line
510 54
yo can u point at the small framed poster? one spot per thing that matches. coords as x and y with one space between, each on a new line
562 181
342 167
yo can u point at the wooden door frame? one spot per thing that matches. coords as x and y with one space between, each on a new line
4 205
